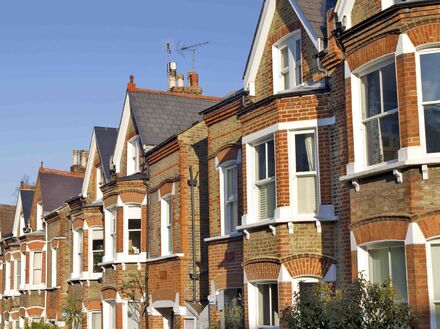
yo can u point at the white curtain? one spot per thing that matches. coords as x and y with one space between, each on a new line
309 151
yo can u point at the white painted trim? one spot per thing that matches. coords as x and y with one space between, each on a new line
223 167
284 275
414 234
224 237
404 44
17 217
89 166
258 46
310 31
120 141
156 259
344 8
431 281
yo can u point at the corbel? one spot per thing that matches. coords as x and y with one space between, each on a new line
290 227
123 266
138 266
398 175
425 174
273 229
246 234
114 266
318 226
356 185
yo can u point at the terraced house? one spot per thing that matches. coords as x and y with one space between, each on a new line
324 166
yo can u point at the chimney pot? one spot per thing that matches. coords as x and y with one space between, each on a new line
84 157
131 86
180 79
75 157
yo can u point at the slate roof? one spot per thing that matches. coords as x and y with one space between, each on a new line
27 197
56 187
7 214
315 12
105 142
158 115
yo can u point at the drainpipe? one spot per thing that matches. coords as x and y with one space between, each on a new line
192 182
45 290
147 294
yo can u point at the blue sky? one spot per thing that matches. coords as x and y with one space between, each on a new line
64 67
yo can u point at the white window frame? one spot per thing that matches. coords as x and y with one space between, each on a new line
78 252
39 218
23 270
17 274
294 174
256 311
167 221
128 209
110 234
8 277
289 42
359 131
109 314
306 279
224 167
363 256
99 182
431 50
89 318
54 267
133 155
32 273
125 308
91 251
432 302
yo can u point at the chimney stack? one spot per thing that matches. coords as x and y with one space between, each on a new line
131 86
193 78
84 157
79 161
180 79
75 157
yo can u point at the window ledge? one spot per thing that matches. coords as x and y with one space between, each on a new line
161 258
297 219
232 235
11 293
386 167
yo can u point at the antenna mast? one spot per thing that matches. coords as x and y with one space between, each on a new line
193 48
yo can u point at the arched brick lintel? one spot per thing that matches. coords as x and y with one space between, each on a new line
425 34
308 264
380 228
429 224
262 269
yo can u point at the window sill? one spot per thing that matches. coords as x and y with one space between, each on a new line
123 258
11 293
296 219
162 258
85 276
32 287
232 235
390 166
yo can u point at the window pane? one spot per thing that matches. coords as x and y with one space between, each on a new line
170 240
379 265
231 217
98 245
430 64
298 50
374 153
371 94
96 321
284 58
97 259
437 315
435 260
305 152
270 159
134 242
389 92
263 305
134 224
389 130
274 297
230 183
266 200
432 128
133 316
261 161
398 271
286 81
306 194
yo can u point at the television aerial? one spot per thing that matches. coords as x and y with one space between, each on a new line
181 48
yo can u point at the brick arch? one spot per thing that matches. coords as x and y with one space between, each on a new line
34 312
391 227
425 34
78 223
135 196
262 269
108 293
378 48
308 264
429 223
110 200
227 152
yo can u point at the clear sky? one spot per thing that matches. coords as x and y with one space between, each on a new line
64 68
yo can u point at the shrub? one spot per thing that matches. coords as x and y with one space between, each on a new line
72 312
234 314
40 325
362 305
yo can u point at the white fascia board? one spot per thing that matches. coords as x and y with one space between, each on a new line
18 209
123 127
344 8
257 49
89 166
310 31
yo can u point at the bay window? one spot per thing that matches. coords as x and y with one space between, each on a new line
134 230
435 274
95 320
37 267
287 63
109 314
97 249
265 179
380 117
387 261
230 199
268 304
306 173
166 225
430 84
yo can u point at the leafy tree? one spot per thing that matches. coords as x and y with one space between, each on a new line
362 305
72 312
40 325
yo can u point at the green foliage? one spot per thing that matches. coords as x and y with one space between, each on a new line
72 312
362 305
40 325
234 314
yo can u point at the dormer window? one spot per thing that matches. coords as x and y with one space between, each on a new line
133 156
287 63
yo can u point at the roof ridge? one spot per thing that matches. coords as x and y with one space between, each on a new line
170 93
60 172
